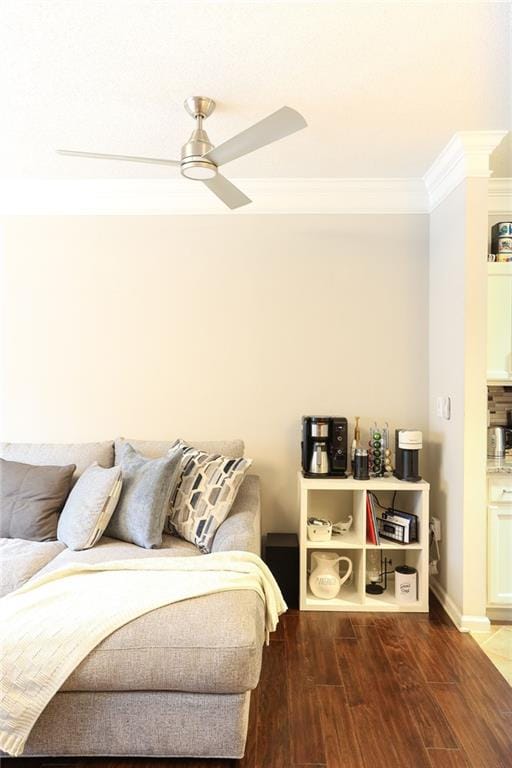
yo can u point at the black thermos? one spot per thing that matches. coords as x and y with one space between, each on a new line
361 464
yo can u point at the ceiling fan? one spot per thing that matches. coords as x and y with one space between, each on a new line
200 160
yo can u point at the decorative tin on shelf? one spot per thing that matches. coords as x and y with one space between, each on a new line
501 239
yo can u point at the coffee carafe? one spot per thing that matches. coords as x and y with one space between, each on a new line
319 459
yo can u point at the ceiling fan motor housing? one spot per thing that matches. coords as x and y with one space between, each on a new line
193 164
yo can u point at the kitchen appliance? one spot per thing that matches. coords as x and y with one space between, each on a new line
499 439
325 581
406 584
408 443
324 446
361 464
200 160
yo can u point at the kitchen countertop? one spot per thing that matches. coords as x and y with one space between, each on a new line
500 466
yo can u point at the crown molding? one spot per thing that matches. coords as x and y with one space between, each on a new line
465 156
167 197
176 196
500 195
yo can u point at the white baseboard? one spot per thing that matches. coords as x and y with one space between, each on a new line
446 602
475 624
499 613
463 622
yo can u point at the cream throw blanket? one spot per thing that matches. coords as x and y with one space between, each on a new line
52 623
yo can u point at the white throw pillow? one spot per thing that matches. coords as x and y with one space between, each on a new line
204 495
89 507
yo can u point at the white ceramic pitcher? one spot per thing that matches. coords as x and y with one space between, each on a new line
325 581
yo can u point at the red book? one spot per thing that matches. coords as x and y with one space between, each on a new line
370 527
374 518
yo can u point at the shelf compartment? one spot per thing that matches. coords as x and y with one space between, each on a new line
352 590
405 501
410 555
337 506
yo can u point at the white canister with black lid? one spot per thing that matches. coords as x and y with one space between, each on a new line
406 584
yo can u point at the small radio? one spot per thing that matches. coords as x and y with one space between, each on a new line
398 526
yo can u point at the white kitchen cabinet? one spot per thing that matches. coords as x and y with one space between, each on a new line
499 520
499 322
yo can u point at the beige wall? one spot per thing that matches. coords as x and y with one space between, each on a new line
457 368
210 327
446 378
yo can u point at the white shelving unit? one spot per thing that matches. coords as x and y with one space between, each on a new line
336 499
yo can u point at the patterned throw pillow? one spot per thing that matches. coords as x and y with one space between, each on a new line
204 495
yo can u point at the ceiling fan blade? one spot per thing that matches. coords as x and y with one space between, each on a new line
128 158
276 126
227 192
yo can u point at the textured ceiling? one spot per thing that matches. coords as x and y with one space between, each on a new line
383 85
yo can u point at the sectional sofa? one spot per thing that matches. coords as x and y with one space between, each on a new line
174 682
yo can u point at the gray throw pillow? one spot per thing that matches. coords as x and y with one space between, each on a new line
89 507
144 503
31 498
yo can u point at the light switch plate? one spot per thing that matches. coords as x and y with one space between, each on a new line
444 407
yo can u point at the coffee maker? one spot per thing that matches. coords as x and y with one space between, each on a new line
408 443
324 446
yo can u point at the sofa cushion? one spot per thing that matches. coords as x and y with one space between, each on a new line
108 549
21 559
148 485
209 644
156 448
89 507
81 454
31 497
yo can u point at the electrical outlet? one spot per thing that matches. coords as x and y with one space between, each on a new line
436 527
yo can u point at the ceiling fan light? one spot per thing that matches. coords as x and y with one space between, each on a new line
199 170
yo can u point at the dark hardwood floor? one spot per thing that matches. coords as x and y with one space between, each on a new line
365 691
